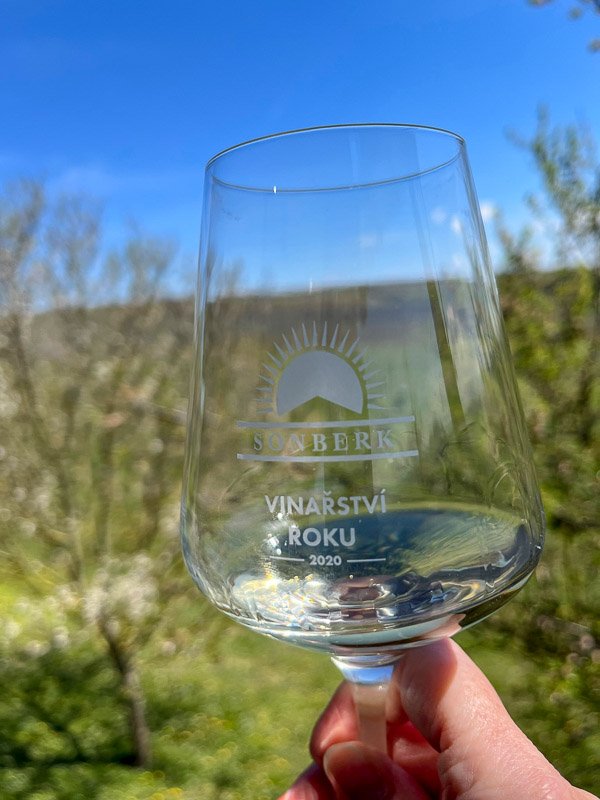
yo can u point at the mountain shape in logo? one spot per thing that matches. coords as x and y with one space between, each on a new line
322 374
314 364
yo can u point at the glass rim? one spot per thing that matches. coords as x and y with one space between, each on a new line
240 153
337 126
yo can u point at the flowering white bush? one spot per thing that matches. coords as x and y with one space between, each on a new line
122 591
36 626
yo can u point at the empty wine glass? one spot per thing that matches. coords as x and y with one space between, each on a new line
358 478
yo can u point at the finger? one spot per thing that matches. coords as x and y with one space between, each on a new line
455 707
358 772
411 751
406 733
311 785
337 723
409 748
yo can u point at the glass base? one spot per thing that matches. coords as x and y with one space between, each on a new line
378 646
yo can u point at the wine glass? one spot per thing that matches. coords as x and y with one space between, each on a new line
358 477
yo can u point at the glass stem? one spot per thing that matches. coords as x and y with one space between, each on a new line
369 688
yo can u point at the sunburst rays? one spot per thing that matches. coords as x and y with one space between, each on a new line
313 337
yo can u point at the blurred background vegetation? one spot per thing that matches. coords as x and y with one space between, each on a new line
118 679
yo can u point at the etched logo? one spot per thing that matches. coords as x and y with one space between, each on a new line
321 398
312 365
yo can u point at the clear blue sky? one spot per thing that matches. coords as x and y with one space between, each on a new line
127 100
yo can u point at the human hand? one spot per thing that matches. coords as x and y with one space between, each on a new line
449 736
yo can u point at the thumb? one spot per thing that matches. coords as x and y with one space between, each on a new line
357 772
482 752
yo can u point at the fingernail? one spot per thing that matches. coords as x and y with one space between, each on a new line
357 773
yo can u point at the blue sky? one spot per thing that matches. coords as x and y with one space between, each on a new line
128 100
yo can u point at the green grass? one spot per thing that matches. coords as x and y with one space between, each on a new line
245 713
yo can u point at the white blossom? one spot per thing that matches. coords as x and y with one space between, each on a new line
11 629
122 591
36 649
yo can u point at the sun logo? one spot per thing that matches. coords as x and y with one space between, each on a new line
311 364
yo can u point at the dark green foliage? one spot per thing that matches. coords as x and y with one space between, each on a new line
551 321
47 720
